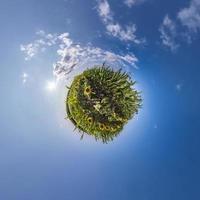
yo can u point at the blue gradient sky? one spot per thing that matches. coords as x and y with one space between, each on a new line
156 157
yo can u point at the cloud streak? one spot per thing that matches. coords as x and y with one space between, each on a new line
125 33
187 19
73 57
190 16
168 33
38 45
131 3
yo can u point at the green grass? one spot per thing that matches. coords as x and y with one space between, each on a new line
101 101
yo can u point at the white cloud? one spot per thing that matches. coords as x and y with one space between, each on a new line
74 57
78 56
38 45
113 28
168 33
155 126
131 3
179 86
190 16
188 22
104 10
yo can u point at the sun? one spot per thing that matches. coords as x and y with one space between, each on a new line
51 85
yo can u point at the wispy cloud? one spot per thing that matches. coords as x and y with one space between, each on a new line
131 3
124 33
38 45
104 11
187 19
77 56
73 56
168 33
179 87
190 16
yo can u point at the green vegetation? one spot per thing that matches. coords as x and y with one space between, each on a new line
100 102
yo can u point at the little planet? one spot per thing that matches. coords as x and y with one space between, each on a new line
100 101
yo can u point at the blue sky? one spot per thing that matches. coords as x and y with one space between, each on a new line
156 157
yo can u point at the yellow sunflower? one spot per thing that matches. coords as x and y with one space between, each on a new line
90 120
101 126
113 129
107 128
87 90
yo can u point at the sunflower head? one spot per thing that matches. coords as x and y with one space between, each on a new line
90 120
113 129
107 128
101 126
87 90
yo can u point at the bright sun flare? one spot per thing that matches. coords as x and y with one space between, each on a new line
51 85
